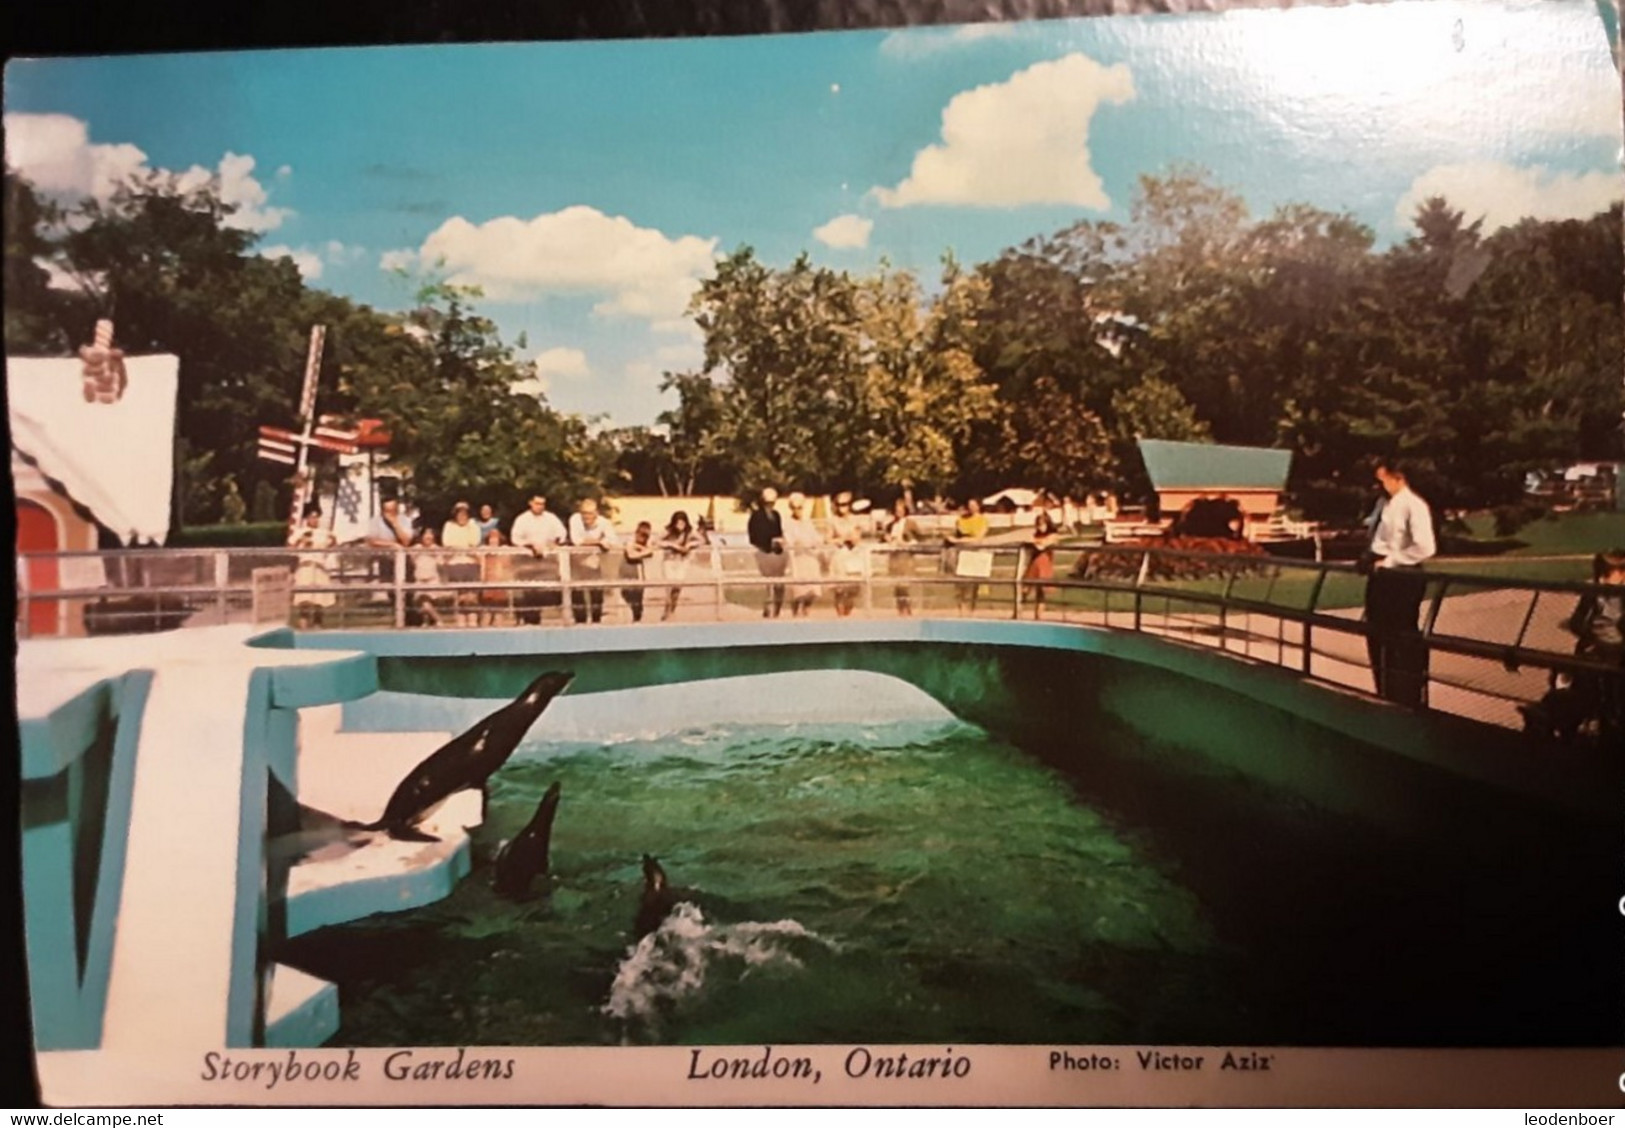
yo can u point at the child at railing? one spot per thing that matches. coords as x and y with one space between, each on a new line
1597 623
425 606
900 533
637 551
1571 703
496 567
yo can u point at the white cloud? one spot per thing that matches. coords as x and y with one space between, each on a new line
342 254
398 260
553 365
679 356
681 326
55 154
915 43
1022 141
845 232
239 189
308 261
534 385
1501 194
566 364
638 271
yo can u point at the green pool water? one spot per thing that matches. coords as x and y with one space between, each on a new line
926 881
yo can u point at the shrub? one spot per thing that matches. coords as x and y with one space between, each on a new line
261 534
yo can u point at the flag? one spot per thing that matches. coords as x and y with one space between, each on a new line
348 502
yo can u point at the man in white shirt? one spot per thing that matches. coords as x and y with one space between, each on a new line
595 536
541 532
537 529
391 529
1401 539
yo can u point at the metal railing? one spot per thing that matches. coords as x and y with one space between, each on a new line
1495 645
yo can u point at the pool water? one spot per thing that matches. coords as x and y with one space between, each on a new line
921 880
908 881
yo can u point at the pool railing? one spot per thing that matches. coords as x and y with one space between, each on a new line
1494 642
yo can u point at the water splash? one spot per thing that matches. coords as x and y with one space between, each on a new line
671 964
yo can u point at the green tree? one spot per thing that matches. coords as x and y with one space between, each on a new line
921 392
696 454
1151 409
158 260
31 306
783 348
1057 444
462 422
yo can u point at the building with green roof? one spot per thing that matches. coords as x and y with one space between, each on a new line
1185 472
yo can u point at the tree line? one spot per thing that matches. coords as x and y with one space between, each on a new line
1476 356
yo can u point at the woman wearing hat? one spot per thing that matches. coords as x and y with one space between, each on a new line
846 565
801 543
462 531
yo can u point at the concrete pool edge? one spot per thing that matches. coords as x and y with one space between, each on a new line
1486 754
120 743
261 684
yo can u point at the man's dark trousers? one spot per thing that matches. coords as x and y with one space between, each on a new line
1399 657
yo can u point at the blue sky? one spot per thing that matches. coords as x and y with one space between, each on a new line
588 186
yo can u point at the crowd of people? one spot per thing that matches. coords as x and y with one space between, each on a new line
511 586
802 559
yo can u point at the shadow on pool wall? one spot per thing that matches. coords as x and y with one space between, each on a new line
1427 882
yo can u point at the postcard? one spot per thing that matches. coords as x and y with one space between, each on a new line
1057 562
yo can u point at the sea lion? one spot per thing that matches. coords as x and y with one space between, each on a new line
467 761
523 859
658 898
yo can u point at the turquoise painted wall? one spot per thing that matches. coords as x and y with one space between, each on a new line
1053 689
78 767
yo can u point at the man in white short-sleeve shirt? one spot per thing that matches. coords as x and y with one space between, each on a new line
589 531
537 529
541 532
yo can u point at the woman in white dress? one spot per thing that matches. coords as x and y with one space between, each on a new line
845 563
462 531
678 544
802 542
315 569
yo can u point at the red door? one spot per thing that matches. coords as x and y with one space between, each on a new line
37 532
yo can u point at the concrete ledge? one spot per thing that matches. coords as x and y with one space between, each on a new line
343 679
384 875
50 741
300 1009
350 776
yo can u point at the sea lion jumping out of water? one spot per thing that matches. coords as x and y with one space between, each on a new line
658 898
468 761
525 858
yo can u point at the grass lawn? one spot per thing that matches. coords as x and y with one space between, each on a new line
1560 534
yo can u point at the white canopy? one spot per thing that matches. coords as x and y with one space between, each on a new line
1015 495
115 459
